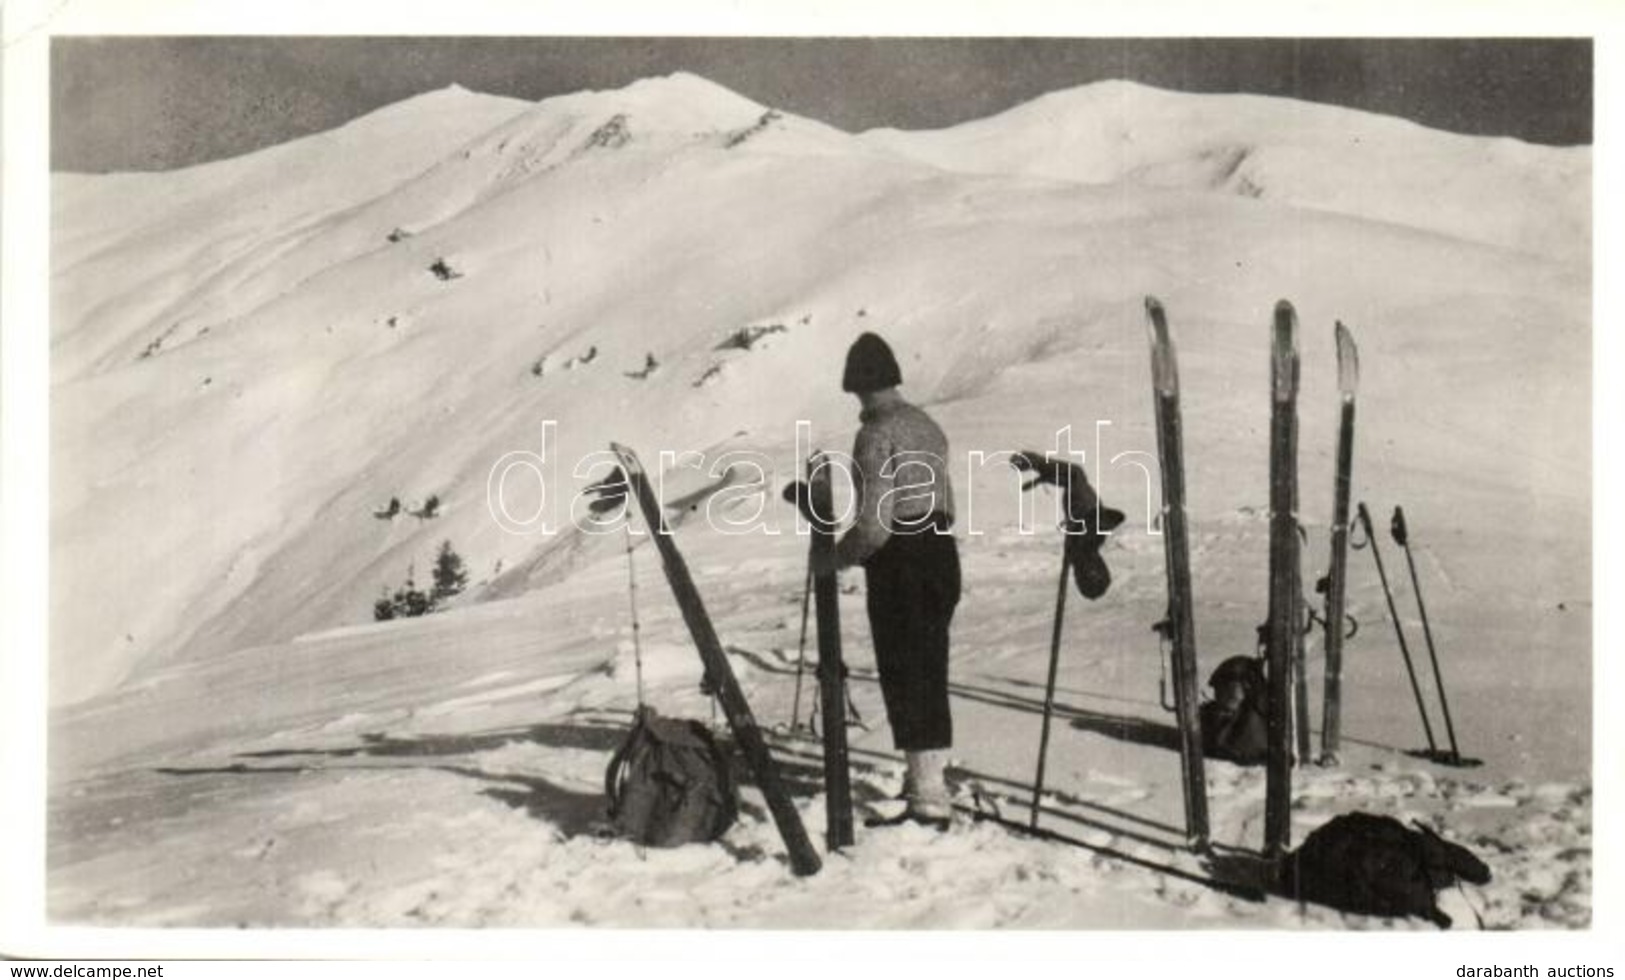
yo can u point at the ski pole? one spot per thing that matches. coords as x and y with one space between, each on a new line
801 649
1404 649
1049 685
1402 537
632 600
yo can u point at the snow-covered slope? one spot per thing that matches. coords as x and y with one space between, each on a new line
152 242
1500 191
449 773
251 357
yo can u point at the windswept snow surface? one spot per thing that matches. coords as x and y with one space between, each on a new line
250 357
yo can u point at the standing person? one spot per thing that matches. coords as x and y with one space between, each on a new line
900 535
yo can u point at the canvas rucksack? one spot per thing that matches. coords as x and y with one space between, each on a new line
1375 865
1239 734
669 783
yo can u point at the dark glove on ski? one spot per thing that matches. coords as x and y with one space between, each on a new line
799 494
1085 535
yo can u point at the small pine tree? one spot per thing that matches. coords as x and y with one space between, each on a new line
417 603
450 577
409 599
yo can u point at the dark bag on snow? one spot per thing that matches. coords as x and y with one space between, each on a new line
1241 734
669 784
1375 865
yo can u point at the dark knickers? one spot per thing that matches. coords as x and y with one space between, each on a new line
913 584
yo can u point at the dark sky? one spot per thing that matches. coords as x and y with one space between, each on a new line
149 103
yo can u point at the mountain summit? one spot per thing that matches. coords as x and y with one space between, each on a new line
251 357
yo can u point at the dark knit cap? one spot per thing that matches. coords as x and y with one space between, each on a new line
870 366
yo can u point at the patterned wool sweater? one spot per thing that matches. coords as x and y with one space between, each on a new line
901 475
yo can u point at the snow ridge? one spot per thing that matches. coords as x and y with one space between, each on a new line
1498 191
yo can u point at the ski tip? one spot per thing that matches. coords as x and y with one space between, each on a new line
1164 370
1285 324
1285 327
1156 321
1284 353
1164 367
629 459
1348 362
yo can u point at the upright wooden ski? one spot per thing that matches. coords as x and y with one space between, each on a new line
803 857
1283 636
1348 383
831 668
1176 550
